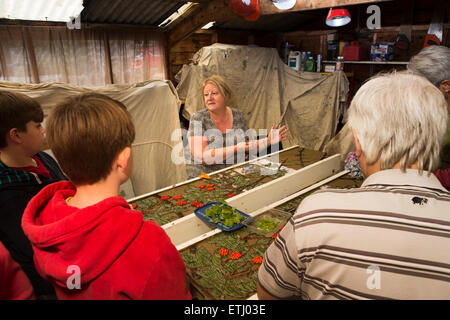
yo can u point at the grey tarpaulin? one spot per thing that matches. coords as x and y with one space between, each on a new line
268 92
154 107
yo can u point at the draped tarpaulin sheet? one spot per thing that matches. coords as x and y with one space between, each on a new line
268 92
342 143
154 107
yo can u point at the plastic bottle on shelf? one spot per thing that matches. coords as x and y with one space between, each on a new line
319 63
340 64
286 52
302 60
295 60
310 64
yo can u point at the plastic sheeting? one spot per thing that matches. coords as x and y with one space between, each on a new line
342 143
154 107
86 57
268 92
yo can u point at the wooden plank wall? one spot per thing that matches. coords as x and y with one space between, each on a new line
316 43
184 50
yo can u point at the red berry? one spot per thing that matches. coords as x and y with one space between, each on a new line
257 259
235 255
223 252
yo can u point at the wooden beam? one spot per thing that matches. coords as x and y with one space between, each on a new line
214 10
267 6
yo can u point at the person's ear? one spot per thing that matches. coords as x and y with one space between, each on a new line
122 159
14 135
445 86
445 89
357 144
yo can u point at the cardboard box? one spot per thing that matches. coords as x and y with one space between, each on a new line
330 68
382 51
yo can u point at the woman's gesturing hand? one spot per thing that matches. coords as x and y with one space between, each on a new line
277 135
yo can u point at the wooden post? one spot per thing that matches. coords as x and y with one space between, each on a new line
215 10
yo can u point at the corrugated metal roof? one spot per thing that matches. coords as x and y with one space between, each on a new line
40 10
151 13
145 12
154 12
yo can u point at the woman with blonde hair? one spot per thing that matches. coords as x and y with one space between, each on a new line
219 135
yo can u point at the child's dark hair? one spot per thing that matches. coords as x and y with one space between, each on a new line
16 110
86 133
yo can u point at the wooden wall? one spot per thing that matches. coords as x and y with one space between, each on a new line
184 50
316 43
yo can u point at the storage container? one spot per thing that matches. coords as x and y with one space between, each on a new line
354 52
294 60
268 223
382 51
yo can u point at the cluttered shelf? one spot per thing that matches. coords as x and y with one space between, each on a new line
370 62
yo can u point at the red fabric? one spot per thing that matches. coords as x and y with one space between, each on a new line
119 256
14 284
443 177
40 169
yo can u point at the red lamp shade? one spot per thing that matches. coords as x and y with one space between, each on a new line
338 17
248 9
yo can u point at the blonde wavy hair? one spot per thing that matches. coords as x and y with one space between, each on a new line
222 86
400 117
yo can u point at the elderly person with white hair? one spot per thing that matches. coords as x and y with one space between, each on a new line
433 63
391 237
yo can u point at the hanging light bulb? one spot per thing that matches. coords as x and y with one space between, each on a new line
338 17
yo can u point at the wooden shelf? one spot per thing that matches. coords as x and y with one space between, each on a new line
369 62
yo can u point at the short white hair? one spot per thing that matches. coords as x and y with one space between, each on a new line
400 117
433 63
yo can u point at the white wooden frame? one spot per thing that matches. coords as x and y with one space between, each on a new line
189 230
212 173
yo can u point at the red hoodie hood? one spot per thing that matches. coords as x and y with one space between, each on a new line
63 236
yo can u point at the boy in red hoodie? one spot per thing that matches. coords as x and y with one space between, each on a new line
87 241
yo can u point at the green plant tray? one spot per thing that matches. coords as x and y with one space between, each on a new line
201 213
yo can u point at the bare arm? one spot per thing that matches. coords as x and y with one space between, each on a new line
198 146
263 294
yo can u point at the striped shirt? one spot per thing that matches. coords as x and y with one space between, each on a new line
389 239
